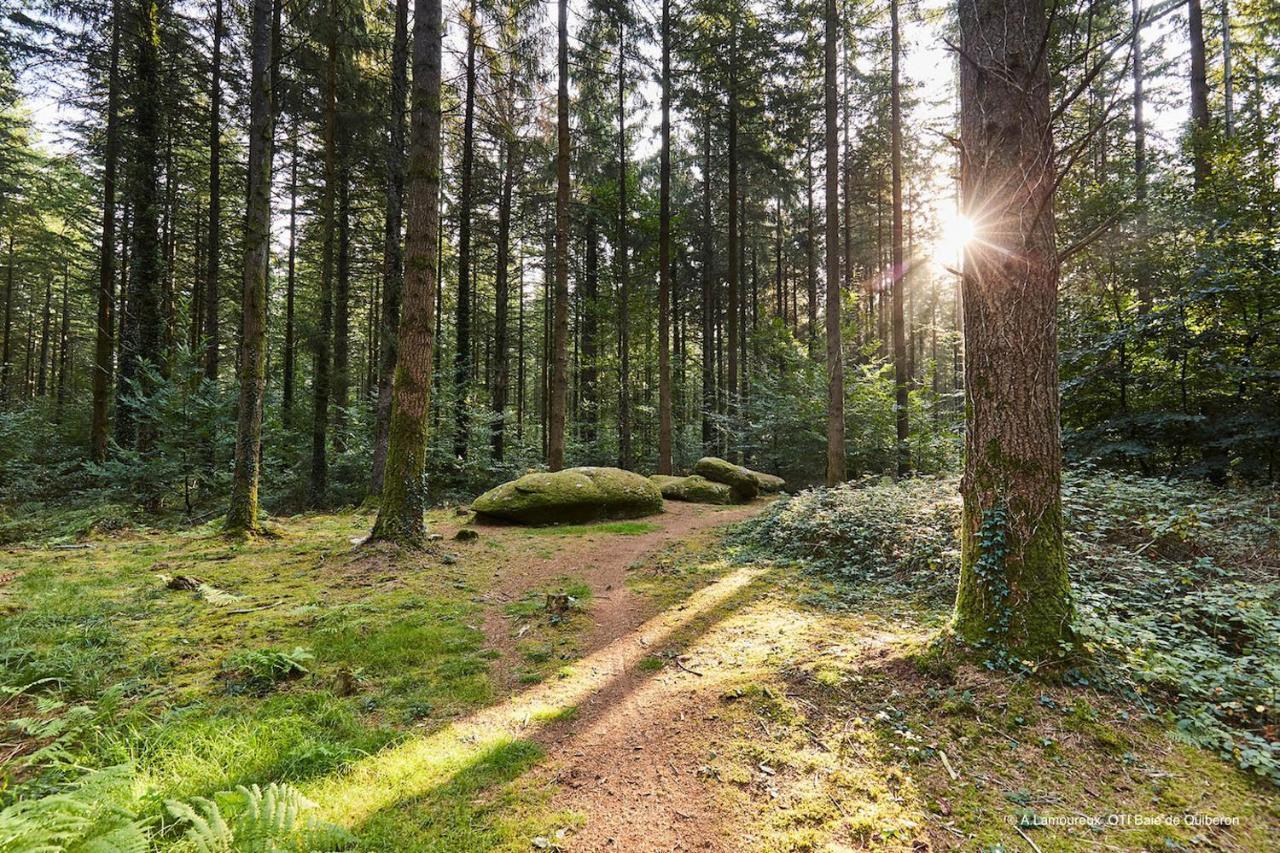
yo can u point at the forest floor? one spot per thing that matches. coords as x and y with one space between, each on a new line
678 699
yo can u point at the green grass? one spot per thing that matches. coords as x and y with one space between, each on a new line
102 665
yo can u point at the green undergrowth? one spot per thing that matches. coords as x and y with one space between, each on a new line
158 666
1175 586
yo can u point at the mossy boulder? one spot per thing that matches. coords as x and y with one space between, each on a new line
693 489
736 477
570 496
768 484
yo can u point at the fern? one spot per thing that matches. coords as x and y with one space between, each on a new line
96 815
257 820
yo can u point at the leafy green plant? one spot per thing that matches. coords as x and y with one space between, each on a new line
96 813
251 818
260 670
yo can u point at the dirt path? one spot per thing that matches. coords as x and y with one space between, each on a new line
602 562
628 759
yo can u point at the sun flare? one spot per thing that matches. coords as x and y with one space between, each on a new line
956 233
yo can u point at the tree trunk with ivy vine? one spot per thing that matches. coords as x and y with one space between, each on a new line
1014 596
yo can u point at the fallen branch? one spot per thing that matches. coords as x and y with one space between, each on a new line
680 664
1027 839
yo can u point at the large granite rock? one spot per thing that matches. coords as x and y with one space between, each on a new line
767 483
736 477
571 495
693 489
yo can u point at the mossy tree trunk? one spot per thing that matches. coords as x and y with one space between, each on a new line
1014 593
392 257
242 515
404 498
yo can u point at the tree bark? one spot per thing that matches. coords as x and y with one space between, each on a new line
404 493
322 380
898 275
1014 595
242 514
1228 95
835 353
1200 129
213 256
624 270
289 367
664 255
6 357
733 391
502 300
1140 161
342 299
462 316
104 337
46 323
144 331
392 256
708 349
560 324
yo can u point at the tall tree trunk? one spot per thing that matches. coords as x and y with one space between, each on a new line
589 372
1140 162
144 330
502 300
810 253
342 301
1200 130
392 256
560 326
1014 592
520 377
664 255
835 352
404 492
64 340
242 514
287 389
1228 95
624 270
733 393
462 318
848 188
46 323
104 336
322 379
898 276
6 357
214 247
708 349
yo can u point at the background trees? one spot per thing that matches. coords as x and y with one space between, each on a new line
699 305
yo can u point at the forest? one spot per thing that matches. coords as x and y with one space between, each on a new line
639 425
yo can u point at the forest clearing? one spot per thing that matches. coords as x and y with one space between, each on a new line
639 425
